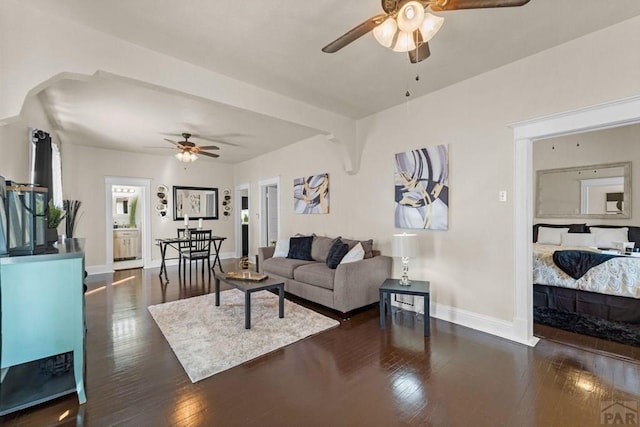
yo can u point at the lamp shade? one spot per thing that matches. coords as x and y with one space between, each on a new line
430 26
385 32
410 16
404 245
404 42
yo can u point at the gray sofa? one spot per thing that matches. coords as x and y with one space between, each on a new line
349 286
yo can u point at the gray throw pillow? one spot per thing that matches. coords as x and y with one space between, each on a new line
320 247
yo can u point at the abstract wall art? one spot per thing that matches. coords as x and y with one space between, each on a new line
422 188
311 194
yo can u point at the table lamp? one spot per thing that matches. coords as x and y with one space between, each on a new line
405 247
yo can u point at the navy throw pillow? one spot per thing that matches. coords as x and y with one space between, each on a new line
336 253
300 248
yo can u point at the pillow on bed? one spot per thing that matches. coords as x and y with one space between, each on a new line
551 236
606 236
578 239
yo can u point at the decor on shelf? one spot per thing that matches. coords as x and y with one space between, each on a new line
422 188
162 203
405 247
72 208
226 203
195 203
311 194
55 215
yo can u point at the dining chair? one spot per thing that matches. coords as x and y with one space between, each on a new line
198 249
182 246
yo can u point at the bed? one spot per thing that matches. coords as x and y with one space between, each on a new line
609 290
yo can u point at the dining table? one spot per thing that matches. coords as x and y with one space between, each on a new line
178 242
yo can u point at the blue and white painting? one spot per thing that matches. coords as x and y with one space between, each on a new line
422 188
311 194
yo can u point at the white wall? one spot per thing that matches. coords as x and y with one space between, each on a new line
470 266
84 172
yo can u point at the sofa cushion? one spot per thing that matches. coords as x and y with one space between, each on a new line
315 274
336 253
300 248
367 245
320 247
283 267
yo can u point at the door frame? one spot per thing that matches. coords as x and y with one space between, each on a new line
145 210
262 185
602 116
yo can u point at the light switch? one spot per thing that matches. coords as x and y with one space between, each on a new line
502 195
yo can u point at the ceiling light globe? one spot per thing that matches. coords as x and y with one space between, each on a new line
430 26
385 32
404 42
180 156
410 16
192 157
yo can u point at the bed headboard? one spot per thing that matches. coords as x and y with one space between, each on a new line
573 228
634 232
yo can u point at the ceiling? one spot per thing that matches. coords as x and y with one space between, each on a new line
276 45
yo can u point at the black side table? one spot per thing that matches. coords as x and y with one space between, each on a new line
392 286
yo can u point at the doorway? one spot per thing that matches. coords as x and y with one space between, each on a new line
617 113
127 231
243 221
269 211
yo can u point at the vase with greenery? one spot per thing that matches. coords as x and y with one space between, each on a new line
55 215
72 208
133 205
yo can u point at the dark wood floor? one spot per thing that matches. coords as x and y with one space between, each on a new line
353 375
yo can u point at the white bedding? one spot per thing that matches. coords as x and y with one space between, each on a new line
617 276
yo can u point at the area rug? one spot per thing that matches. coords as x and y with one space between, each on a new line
588 325
207 339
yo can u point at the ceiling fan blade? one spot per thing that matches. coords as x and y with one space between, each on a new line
209 147
419 54
442 5
171 141
354 33
204 153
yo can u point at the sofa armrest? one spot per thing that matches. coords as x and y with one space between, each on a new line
265 252
356 284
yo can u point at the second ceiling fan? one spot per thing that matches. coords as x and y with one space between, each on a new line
406 26
189 150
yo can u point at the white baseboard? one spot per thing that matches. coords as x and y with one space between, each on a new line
155 263
98 269
513 331
482 323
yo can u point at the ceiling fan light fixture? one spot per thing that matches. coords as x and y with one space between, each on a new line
385 32
404 42
186 157
410 16
430 26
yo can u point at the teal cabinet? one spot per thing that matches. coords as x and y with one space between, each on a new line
42 315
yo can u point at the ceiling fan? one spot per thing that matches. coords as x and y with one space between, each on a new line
189 150
406 26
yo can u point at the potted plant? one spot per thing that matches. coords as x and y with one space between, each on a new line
55 215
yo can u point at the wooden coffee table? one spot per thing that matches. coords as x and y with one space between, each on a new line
248 288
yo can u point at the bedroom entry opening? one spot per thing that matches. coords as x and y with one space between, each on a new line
526 134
